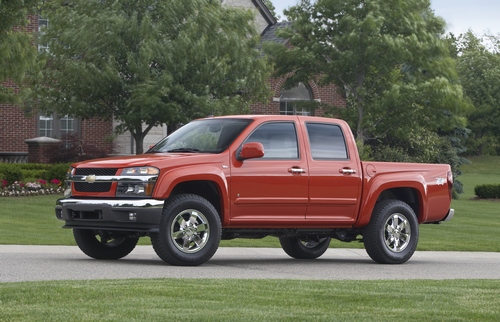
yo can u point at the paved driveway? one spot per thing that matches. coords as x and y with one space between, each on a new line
37 263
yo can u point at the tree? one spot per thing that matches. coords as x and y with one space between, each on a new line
150 61
16 50
386 55
478 66
271 8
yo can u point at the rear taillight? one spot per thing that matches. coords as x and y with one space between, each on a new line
450 183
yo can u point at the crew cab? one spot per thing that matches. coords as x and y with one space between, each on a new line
297 178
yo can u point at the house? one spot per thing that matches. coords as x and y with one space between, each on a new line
22 135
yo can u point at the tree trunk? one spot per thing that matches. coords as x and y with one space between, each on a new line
139 143
139 134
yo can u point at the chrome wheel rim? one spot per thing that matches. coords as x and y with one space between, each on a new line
397 233
190 231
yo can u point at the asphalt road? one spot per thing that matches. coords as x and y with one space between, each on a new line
41 263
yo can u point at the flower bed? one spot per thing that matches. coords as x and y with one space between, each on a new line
37 187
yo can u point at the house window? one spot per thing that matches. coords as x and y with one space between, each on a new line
46 125
43 24
57 127
292 100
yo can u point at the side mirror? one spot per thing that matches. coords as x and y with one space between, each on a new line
251 150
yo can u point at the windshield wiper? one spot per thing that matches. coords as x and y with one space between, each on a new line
184 150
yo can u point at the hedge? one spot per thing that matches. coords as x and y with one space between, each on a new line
12 172
488 191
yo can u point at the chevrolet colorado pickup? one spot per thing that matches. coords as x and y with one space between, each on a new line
297 178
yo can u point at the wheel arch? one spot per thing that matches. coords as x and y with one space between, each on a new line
408 195
207 189
207 182
414 193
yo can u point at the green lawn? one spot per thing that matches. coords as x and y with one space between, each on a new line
475 227
250 300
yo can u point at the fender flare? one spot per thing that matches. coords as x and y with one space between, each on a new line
171 178
375 187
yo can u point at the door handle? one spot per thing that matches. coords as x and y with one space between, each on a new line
347 171
296 170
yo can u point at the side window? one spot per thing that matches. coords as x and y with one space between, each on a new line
326 141
279 140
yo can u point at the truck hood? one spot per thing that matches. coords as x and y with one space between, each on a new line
159 160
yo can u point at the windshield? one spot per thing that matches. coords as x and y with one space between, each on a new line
207 136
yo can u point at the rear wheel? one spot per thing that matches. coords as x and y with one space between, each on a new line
308 247
103 244
190 231
391 237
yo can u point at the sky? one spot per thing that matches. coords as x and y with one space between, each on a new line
479 15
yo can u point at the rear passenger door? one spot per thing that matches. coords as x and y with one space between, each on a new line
334 176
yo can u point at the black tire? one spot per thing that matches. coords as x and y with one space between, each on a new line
190 231
391 237
101 244
309 247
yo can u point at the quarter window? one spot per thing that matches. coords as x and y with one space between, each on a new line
326 141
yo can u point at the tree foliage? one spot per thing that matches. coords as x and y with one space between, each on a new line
478 66
386 55
150 62
16 50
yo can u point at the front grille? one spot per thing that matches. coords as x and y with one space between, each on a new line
96 186
92 187
96 171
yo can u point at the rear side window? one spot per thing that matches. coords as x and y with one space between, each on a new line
279 140
326 141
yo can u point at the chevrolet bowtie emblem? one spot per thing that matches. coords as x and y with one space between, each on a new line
90 178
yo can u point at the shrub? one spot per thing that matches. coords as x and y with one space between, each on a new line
12 174
57 171
489 191
74 149
33 174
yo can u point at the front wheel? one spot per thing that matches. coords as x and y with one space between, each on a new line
391 237
190 231
103 244
309 247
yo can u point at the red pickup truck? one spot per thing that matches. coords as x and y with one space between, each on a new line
297 178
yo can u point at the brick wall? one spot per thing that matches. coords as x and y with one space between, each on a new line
98 133
15 125
326 94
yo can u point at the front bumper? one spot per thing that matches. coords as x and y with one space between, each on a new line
141 215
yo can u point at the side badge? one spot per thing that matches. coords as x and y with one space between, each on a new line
440 181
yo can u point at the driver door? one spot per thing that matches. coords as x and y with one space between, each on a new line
274 188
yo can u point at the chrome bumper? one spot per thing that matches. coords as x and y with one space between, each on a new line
139 203
450 215
142 215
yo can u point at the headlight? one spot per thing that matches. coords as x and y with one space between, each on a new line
140 171
67 183
137 182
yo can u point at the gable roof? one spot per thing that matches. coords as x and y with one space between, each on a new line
264 11
270 33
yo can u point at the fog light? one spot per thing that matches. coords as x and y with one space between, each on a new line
132 216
